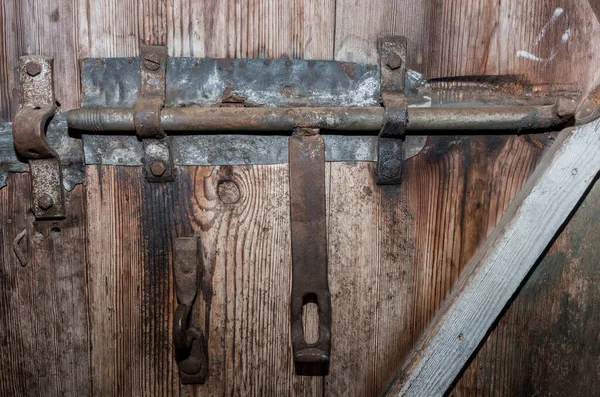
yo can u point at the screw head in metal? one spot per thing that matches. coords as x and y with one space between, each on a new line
391 169
151 62
33 68
45 202
394 61
158 168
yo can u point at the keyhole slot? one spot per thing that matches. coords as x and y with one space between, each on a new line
310 318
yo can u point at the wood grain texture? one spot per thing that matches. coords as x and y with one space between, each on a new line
495 273
41 27
370 267
43 316
247 281
131 300
540 40
546 343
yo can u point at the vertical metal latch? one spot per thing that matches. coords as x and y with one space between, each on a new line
29 134
158 163
190 342
309 249
392 62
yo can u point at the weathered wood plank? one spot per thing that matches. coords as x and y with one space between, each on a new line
369 275
546 343
495 273
130 225
242 217
540 40
43 316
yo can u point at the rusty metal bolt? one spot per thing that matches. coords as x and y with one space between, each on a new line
394 61
151 62
45 202
391 169
158 168
33 68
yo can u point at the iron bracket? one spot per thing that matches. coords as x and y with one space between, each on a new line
392 63
190 342
158 162
309 250
29 135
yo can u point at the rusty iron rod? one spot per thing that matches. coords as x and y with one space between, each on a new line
261 120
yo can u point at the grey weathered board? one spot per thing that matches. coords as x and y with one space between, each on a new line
498 269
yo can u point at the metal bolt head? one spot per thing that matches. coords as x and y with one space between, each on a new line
151 62
394 61
158 168
45 202
391 169
33 68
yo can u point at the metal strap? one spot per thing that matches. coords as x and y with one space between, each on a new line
158 164
392 52
309 249
29 134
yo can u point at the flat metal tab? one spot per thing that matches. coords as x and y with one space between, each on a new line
392 54
158 164
309 250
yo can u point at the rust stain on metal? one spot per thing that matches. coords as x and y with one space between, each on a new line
29 135
309 250
349 68
152 92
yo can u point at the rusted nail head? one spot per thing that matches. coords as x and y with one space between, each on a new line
391 168
33 68
45 202
151 62
394 61
158 168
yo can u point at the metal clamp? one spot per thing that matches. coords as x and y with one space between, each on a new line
190 343
158 163
29 134
309 250
392 62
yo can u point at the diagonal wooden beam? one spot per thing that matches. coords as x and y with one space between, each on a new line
595 4
500 266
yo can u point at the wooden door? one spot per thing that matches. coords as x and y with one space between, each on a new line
90 311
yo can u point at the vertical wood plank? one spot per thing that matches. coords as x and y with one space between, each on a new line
242 216
130 225
370 269
293 28
360 23
540 40
8 64
43 316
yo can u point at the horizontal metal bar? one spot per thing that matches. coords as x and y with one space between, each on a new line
364 119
